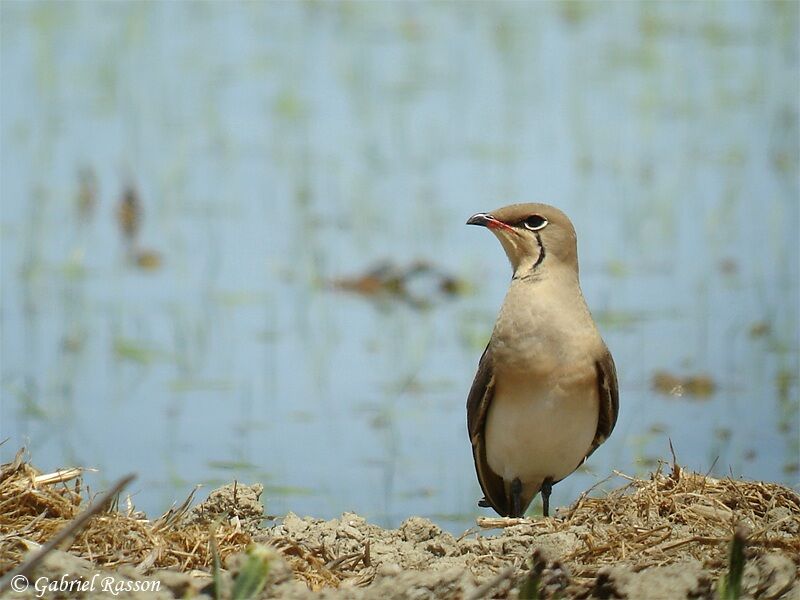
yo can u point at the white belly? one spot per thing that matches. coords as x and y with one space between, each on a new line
539 431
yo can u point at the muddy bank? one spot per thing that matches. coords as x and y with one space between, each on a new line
668 536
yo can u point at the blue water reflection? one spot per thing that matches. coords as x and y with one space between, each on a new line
276 147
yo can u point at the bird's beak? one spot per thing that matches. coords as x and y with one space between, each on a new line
487 220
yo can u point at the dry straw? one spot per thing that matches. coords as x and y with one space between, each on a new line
646 522
34 507
680 514
670 517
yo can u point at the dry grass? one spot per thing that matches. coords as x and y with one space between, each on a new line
311 565
670 517
657 521
34 507
685 513
711 508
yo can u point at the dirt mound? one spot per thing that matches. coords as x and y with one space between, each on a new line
668 536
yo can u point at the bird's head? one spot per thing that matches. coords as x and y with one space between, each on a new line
532 235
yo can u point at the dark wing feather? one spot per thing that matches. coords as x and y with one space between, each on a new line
478 402
609 399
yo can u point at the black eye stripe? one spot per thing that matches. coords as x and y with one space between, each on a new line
534 222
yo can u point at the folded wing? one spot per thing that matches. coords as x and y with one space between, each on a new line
478 402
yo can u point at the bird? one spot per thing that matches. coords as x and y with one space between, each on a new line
545 395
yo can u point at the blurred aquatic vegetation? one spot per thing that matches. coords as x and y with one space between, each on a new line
420 492
135 351
194 385
474 329
788 407
289 106
234 298
232 465
73 341
87 193
759 329
701 387
723 434
619 319
288 490
413 385
454 517
576 12
728 266
648 462
129 213
148 260
74 266
617 268
419 284
27 399
301 416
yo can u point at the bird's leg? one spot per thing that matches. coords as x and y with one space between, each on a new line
547 488
516 498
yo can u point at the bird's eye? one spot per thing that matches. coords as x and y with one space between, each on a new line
535 222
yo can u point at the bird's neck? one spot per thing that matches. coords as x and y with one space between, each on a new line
530 271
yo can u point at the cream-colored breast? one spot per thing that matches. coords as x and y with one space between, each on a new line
543 417
540 429
542 327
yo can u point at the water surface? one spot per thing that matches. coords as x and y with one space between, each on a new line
276 147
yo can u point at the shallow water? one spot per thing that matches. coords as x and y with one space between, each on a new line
278 146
